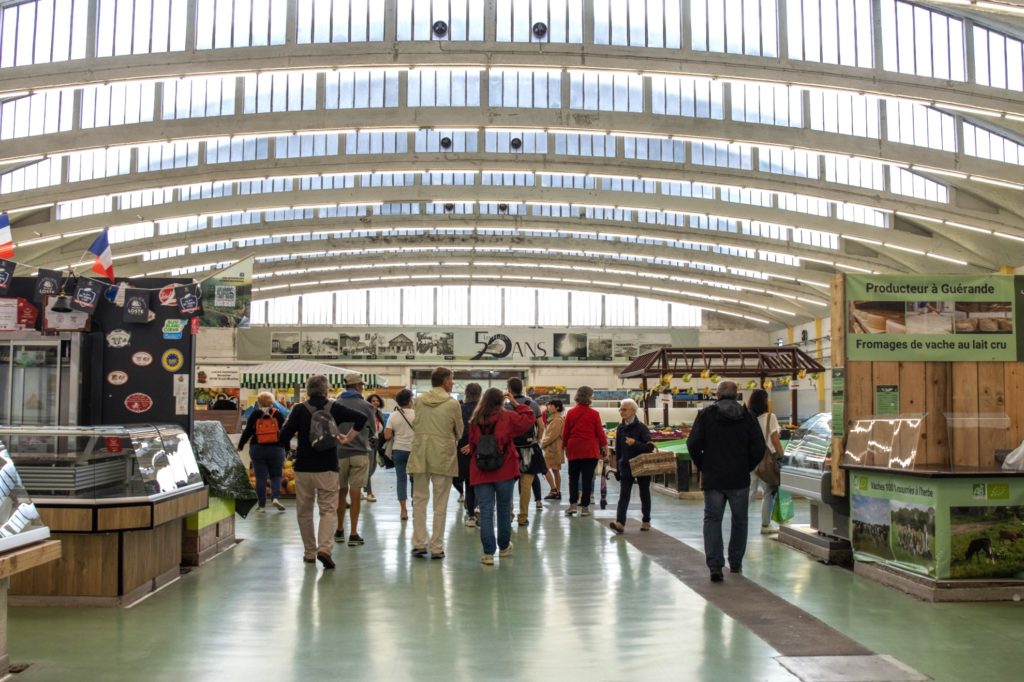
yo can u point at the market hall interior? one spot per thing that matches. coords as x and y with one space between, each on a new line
633 207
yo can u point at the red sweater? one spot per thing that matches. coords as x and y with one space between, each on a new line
507 425
583 434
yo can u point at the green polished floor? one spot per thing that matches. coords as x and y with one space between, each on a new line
574 600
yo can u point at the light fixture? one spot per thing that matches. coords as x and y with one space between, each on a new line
62 304
540 29
446 142
440 28
515 143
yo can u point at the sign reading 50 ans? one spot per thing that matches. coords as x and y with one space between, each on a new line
933 318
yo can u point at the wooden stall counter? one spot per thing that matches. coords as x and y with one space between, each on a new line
113 554
12 563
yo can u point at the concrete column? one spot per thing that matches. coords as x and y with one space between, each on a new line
291 22
490 22
783 34
90 28
190 26
972 67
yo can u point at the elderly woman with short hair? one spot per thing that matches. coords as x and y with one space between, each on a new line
266 453
632 438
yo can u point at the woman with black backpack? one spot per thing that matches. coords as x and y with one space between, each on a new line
494 465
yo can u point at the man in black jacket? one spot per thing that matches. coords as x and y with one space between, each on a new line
316 471
726 444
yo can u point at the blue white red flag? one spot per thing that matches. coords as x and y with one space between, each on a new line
104 264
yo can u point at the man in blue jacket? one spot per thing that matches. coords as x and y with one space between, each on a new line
725 444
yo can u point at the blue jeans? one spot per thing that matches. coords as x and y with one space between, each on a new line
486 493
401 459
714 510
267 463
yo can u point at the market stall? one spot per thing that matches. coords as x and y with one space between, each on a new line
759 366
928 402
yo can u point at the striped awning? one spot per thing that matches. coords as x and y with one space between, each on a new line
287 373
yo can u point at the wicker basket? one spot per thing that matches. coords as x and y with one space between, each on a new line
653 463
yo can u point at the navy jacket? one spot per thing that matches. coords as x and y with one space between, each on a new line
637 431
726 444
467 412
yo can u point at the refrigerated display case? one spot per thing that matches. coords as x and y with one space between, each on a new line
115 497
20 523
41 378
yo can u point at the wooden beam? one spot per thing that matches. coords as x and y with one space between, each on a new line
838 332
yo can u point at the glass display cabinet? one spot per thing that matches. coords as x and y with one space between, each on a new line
41 378
115 496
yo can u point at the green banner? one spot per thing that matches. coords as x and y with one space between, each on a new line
946 528
838 402
932 318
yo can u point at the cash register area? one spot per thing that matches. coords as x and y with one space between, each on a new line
574 600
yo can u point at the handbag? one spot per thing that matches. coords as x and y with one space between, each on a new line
767 469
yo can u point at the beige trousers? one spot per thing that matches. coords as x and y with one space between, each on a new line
321 487
525 493
421 484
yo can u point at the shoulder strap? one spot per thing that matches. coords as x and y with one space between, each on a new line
406 419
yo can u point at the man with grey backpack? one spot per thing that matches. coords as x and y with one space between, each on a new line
315 422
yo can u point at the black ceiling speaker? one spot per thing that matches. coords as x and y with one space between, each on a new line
446 142
449 207
516 143
503 207
540 29
440 29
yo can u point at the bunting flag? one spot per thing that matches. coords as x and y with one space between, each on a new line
104 264
6 273
47 284
136 306
87 296
6 240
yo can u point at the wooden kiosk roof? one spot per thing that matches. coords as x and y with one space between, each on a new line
771 361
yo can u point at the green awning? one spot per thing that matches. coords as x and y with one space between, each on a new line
287 373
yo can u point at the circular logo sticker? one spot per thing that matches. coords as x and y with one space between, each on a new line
138 403
172 360
117 378
142 359
119 338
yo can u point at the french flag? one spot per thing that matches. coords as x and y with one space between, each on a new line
6 241
104 264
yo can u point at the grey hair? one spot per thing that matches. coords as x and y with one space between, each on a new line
317 386
265 398
727 389
629 402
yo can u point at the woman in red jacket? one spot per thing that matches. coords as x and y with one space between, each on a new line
492 419
584 438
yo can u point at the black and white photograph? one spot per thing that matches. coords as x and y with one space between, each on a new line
285 343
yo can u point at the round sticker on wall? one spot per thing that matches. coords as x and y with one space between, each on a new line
117 378
142 359
172 360
138 403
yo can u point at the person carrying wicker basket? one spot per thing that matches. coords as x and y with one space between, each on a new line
632 438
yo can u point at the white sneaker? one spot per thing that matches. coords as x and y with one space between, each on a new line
584 511
571 510
768 530
261 510
487 559
505 552
470 522
370 497
277 505
462 498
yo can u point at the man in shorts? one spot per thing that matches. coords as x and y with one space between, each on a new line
353 460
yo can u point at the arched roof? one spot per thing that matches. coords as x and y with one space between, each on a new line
670 155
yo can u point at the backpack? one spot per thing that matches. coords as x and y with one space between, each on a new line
266 428
489 456
529 437
323 430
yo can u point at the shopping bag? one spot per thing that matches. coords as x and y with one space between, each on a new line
782 512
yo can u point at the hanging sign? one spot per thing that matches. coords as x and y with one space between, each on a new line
6 273
932 318
136 306
187 298
87 295
47 284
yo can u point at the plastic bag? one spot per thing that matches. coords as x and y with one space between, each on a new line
782 512
1015 460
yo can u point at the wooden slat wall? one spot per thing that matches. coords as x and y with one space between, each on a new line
935 389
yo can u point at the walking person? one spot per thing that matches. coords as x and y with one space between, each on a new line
380 419
584 440
316 467
770 429
469 403
399 428
725 444
531 457
494 465
554 452
354 460
632 438
264 428
432 463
